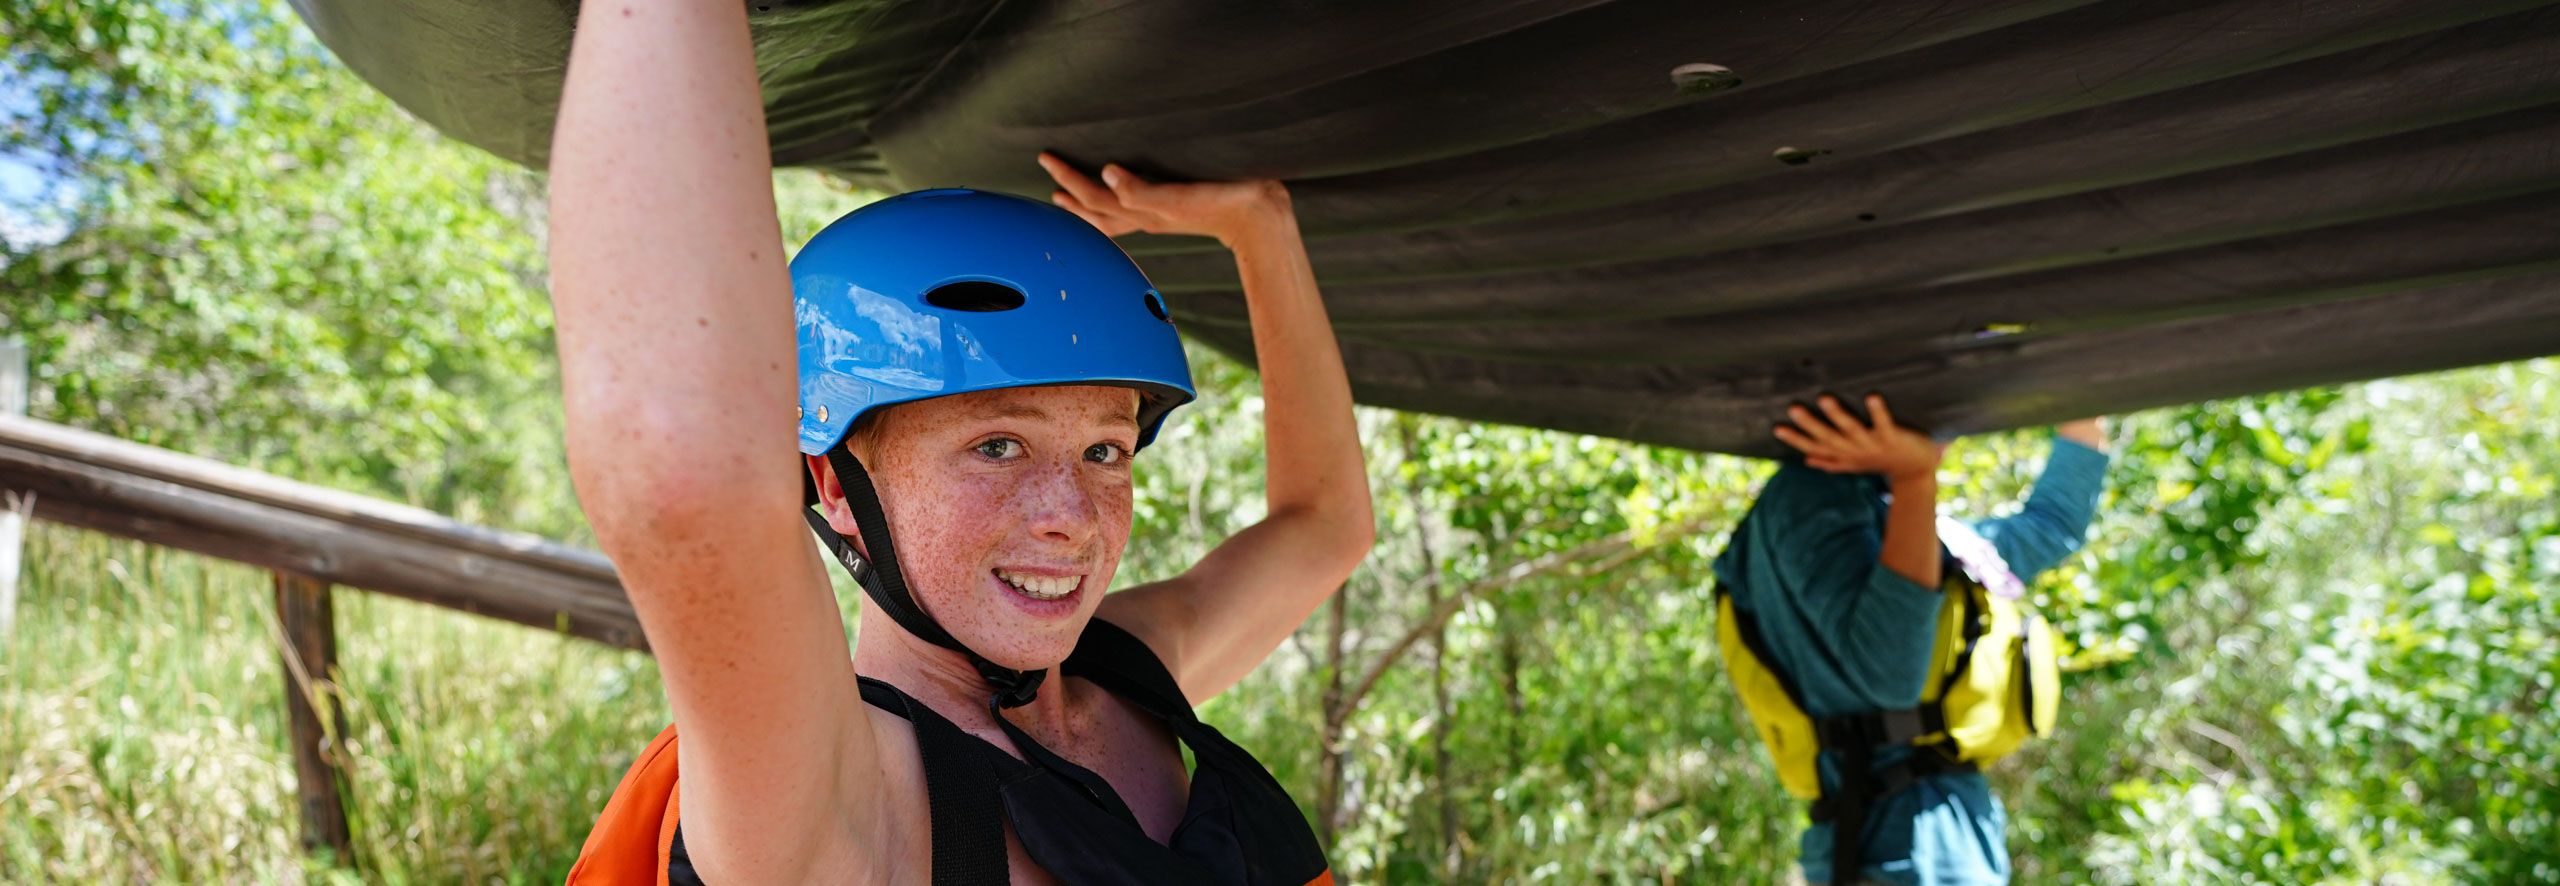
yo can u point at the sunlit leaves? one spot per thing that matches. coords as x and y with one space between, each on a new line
271 264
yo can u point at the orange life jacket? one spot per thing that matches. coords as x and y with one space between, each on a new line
629 844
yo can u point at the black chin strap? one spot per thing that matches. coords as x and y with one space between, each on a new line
887 586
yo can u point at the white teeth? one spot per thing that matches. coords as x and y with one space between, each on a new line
1040 587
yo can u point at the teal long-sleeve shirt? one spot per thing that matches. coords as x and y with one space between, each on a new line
1855 636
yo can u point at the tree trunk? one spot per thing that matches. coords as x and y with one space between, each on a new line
1507 628
1329 791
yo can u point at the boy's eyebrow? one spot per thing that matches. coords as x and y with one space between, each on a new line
1011 409
1028 412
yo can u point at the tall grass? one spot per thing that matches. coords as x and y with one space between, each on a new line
142 730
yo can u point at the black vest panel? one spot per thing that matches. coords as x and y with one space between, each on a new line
1239 827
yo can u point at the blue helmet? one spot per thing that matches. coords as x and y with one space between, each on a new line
948 291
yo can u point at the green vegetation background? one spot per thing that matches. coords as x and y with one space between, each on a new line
2314 630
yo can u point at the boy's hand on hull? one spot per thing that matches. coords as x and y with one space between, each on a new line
1835 441
1122 203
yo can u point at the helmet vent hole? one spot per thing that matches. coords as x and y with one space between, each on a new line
1155 305
974 295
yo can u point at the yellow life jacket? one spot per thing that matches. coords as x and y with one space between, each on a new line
1994 681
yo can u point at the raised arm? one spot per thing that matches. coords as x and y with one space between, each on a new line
1215 622
676 353
2056 517
1819 550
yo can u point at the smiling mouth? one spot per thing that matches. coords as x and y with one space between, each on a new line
1040 587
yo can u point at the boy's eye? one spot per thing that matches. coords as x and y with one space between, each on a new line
1105 453
1000 448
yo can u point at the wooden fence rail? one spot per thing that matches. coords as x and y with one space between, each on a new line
182 501
311 538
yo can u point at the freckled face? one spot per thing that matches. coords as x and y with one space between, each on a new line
1010 509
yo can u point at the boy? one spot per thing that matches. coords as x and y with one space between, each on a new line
1839 569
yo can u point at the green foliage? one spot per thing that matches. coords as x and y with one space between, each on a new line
2360 692
269 264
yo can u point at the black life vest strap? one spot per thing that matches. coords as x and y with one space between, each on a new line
960 787
1119 663
1872 728
963 802
963 773
1923 762
886 584
1116 660
1856 737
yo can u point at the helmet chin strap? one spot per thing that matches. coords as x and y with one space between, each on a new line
887 586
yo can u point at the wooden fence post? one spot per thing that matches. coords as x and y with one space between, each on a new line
309 642
14 504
